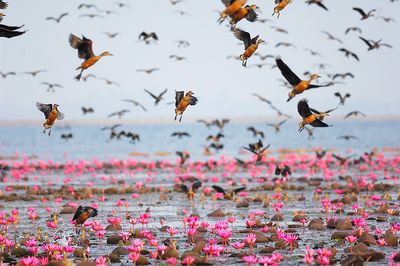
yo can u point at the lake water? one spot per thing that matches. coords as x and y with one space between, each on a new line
90 142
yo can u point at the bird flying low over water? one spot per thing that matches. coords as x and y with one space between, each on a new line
85 51
182 101
258 149
51 113
250 44
84 213
309 118
180 134
277 126
280 5
354 113
228 195
190 190
299 86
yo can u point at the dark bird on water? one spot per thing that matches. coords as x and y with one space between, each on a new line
190 190
228 195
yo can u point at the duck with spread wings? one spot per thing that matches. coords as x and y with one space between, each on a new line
182 101
51 113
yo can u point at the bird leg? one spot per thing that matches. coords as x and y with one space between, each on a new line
180 119
49 131
301 126
44 131
78 78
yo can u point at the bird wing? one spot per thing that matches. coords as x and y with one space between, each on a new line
184 188
151 94
77 213
303 108
178 97
244 36
162 93
153 35
318 123
359 10
291 77
337 94
281 123
366 42
252 15
83 45
45 108
3 5
315 111
322 6
252 129
219 189
193 100
355 56
60 116
196 185
250 150
227 2
237 190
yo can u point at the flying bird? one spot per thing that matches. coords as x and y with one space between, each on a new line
51 86
190 190
87 110
331 37
87 6
177 57
91 16
247 12
231 8
387 19
119 113
136 103
180 134
146 37
215 138
280 5
57 19
157 98
309 118
85 51
347 137
342 75
256 132
283 170
111 34
112 128
5 75
318 3
356 29
348 53
262 99
148 70
34 73
182 101
342 98
228 195
206 123
3 5
184 156
51 113
182 43
299 86
277 126
257 150
374 44
354 113
220 123
67 136
250 44
363 14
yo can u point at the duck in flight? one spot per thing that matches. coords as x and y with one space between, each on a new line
299 86
250 44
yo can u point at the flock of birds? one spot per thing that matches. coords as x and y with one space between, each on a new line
234 11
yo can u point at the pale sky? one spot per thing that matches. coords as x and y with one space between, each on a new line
223 86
